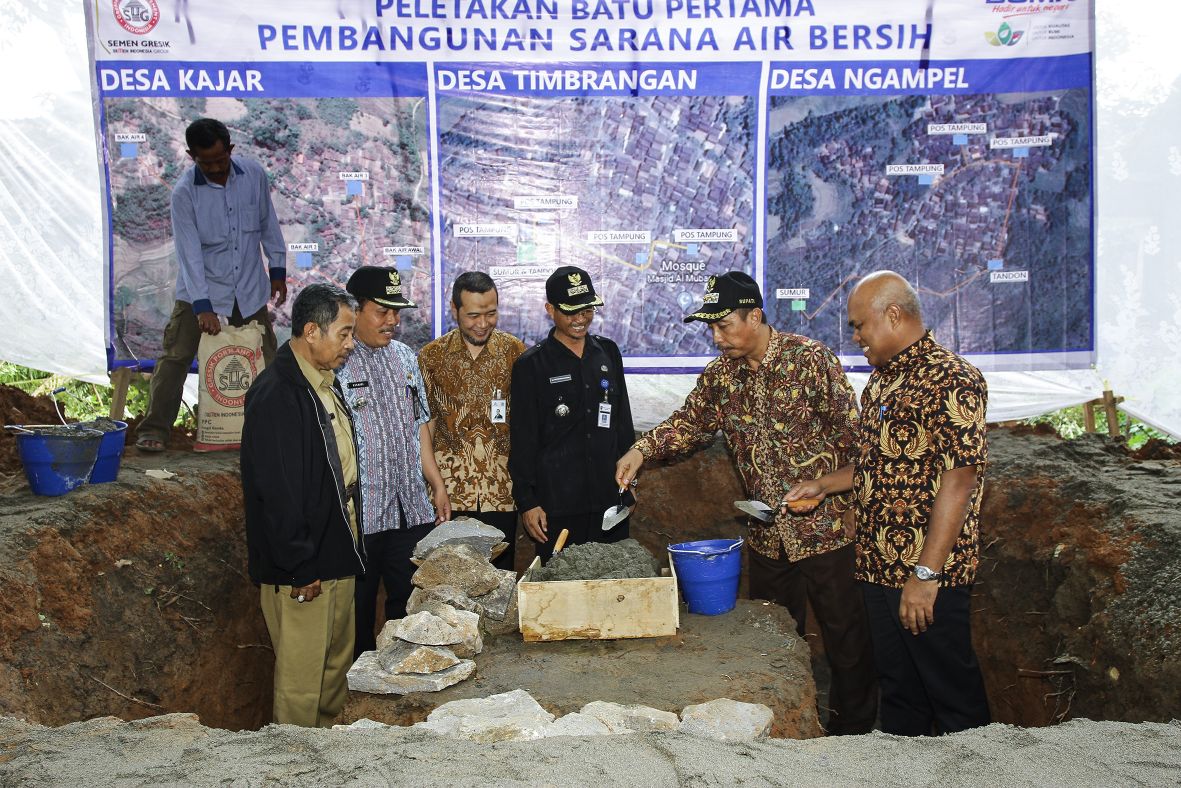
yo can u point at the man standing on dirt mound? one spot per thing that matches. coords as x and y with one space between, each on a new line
786 410
299 484
571 421
221 218
917 483
384 387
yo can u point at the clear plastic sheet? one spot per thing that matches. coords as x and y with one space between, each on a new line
56 305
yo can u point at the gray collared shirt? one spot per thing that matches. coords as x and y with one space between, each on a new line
219 233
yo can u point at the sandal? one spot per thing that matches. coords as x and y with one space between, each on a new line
149 444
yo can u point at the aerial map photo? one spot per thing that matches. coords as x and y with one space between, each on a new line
351 186
982 201
649 194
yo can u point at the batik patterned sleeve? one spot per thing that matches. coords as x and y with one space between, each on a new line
840 406
958 428
690 427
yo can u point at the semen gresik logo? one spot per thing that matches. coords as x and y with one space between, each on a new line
1004 36
136 16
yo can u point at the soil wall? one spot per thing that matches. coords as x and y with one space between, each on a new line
130 599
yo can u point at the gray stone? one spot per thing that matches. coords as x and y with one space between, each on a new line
509 716
496 603
627 719
459 629
402 657
727 720
430 598
460 566
509 625
462 530
576 724
362 724
366 675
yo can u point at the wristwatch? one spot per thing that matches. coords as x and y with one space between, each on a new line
925 574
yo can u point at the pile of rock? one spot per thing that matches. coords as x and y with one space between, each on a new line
458 596
517 716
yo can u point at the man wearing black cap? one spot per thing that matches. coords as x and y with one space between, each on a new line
384 388
571 421
787 411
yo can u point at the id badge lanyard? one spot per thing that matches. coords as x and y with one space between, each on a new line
605 406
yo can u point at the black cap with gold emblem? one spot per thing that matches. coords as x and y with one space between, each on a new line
723 294
379 285
570 290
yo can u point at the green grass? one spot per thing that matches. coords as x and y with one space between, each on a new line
81 401
1070 423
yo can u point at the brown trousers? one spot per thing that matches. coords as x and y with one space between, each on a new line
313 644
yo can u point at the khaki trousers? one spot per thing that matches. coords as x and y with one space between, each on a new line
313 644
181 337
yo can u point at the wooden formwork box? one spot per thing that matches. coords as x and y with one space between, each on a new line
598 609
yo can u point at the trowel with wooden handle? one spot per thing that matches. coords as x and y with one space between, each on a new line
764 513
617 514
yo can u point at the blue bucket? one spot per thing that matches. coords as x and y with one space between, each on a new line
57 459
110 449
708 574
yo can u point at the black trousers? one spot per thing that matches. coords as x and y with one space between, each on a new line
583 528
506 523
827 581
930 682
388 563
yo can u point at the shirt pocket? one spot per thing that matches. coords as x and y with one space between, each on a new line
248 219
560 405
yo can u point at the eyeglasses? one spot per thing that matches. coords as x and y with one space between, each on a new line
590 310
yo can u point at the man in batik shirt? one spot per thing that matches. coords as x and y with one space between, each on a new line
385 391
917 483
787 411
467 373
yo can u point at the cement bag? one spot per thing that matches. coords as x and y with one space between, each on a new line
226 366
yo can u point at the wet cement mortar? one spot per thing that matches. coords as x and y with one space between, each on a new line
594 561
130 598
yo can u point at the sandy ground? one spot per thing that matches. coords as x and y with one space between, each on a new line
176 750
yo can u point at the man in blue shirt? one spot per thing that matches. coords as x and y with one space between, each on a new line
222 219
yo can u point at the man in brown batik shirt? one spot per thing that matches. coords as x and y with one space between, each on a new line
917 483
467 373
787 412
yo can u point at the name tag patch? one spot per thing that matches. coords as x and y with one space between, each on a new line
561 379
358 384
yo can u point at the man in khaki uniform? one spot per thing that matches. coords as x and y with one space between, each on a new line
299 485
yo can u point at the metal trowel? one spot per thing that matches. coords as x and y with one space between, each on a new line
764 513
617 514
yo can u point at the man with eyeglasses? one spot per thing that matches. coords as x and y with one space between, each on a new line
384 388
571 421
222 218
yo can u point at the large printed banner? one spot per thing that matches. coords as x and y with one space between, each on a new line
652 142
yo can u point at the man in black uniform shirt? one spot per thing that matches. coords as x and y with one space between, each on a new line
571 421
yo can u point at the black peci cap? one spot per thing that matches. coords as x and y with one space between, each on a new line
380 285
725 293
570 290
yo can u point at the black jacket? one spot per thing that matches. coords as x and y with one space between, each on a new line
297 528
566 463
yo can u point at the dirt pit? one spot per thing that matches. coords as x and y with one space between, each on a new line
130 598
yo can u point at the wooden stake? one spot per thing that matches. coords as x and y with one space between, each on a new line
120 382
